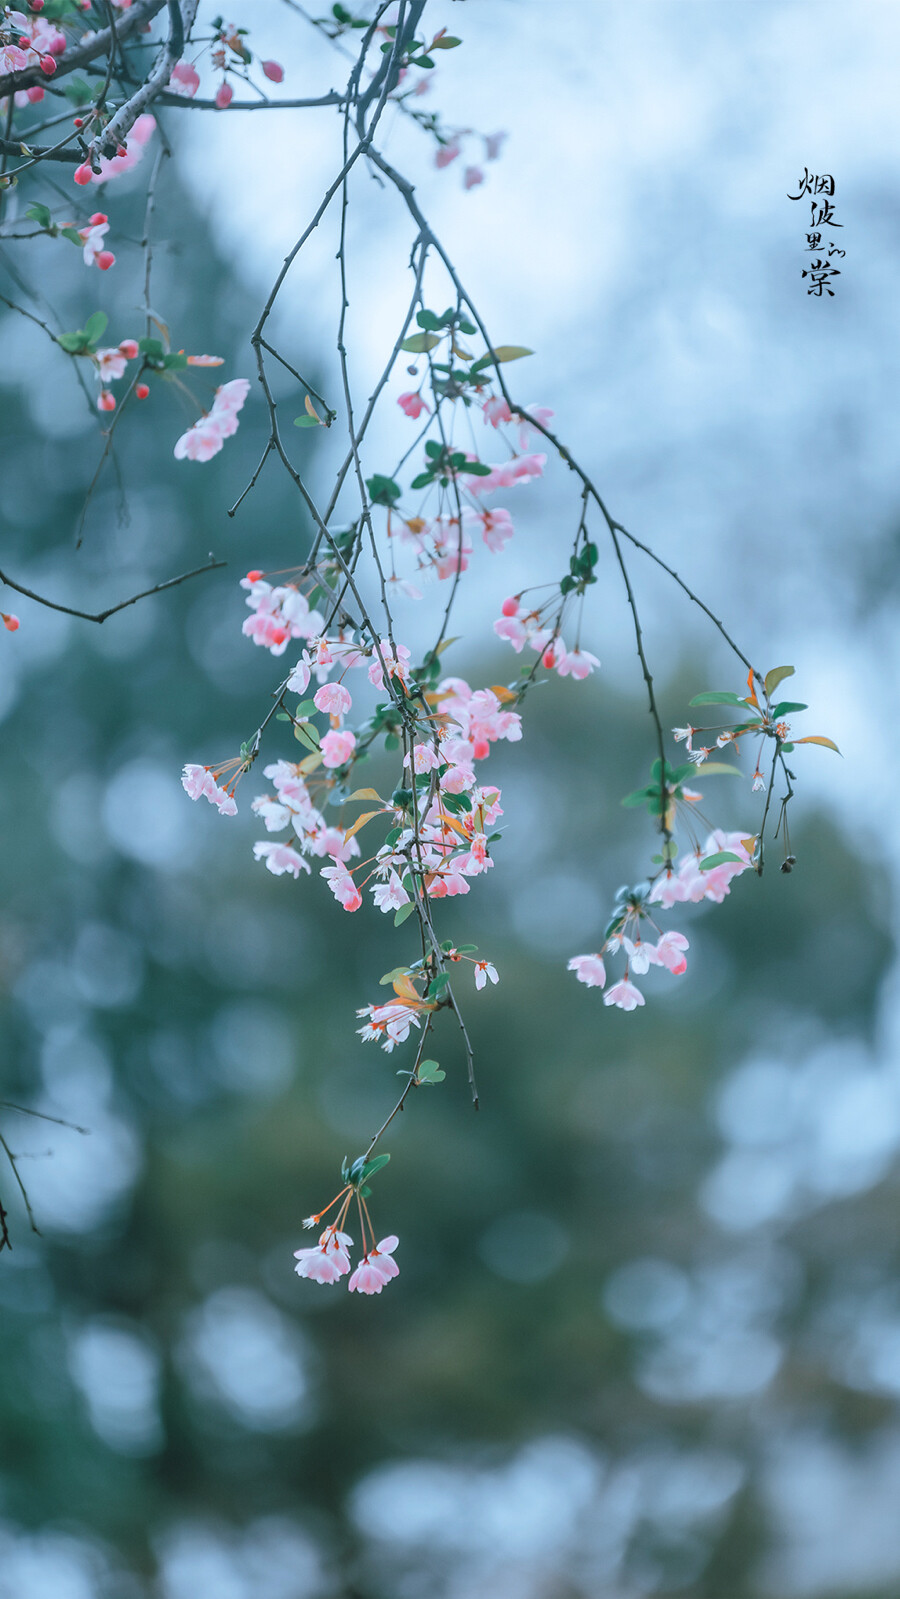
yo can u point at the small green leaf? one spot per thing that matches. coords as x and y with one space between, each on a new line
376 1164
383 490
422 481
95 327
72 343
154 348
639 796
720 859
438 984
41 215
776 676
430 1072
447 42
72 235
427 320
717 697
786 707
306 422
307 708
417 343
403 912
306 734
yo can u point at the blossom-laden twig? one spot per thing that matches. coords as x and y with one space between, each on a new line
399 530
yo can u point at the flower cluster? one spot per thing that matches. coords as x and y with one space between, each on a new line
329 1260
205 439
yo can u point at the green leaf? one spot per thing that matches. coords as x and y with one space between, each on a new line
306 734
154 348
383 490
422 481
467 949
719 769
448 42
430 1072
717 697
77 92
786 707
308 708
395 971
95 327
816 738
419 342
306 422
720 859
72 343
376 1164
438 984
403 912
776 676
639 796
176 362
71 234
427 320
39 214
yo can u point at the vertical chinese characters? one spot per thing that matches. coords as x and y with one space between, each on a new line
818 188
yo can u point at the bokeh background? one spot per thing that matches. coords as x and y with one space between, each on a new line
646 1337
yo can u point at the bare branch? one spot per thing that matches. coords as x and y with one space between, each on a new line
101 616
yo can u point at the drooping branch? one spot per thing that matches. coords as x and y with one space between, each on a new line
93 44
101 616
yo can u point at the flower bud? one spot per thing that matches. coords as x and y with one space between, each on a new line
141 391
83 174
35 94
129 348
10 622
105 259
273 70
510 607
48 65
106 401
224 96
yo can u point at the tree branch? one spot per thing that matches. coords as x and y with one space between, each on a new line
100 616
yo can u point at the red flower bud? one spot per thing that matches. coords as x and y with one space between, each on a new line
106 401
10 622
273 70
83 174
105 260
224 96
128 348
48 65
141 391
78 122
510 607
254 576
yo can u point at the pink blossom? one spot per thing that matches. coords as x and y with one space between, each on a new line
342 886
424 758
367 1279
92 237
280 858
185 79
493 143
106 400
483 971
447 153
113 166
224 96
204 440
540 413
576 663
298 682
110 364
496 527
510 628
391 895
397 663
472 177
495 410
334 699
199 781
337 747
387 1024
329 1261
382 1257
12 58
589 969
273 70
274 815
641 956
624 995
10 621
669 950
412 405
